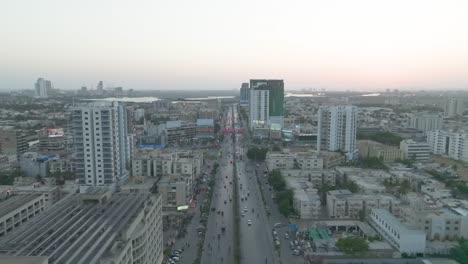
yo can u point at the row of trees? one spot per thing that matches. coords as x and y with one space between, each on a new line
459 188
8 177
284 196
352 245
370 163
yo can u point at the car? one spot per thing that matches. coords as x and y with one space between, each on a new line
277 243
278 225
242 214
249 222
274 232
175 258
286 235
296 252
225 202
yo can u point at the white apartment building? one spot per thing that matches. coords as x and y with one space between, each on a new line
402 238
450 144
412 150
454 107
259 108
152 163
101 143
425 121
139 113
293 160
42 88
306 200
344 204
317 177
337 130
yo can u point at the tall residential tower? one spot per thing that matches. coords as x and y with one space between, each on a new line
276 98
102 145
337 127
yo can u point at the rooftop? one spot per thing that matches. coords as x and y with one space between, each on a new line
15 201
395 223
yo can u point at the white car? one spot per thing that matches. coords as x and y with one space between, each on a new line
249 222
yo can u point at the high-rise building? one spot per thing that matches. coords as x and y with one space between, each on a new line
244 93
259 113
100 86
276 98
42 88
337 130
12 142
454 107
101 143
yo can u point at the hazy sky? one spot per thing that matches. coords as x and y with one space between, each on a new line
217 44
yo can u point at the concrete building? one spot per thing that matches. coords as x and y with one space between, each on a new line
33 164
337 130
61 164
451 144
259 114
42 88
12 142
120 228
152 163
344 204
205 129
244 93
178 132
402 238
317 177
454 107
275 106
139 114
306 199
175 190
18 209
293 160
102 145
445 224
412 150
52 139
372 149
425 121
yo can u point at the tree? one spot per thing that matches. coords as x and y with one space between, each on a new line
352 245
460 253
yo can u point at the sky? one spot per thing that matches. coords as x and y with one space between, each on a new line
218 44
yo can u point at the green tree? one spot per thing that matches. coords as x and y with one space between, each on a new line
352 245
460 253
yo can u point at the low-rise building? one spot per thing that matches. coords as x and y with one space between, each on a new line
316 177
402 238
205 129
175 190
372 149
412 150
306 200
293 160
345 204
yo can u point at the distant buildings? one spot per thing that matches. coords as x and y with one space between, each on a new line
12 142
412 150
425 122
372 149
42 88
102 145
205 129
244 93
275 95
293 160
51 139
337 130
452 144
454 107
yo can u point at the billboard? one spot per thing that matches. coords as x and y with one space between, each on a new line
55 132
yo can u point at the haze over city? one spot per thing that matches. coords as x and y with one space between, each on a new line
165 45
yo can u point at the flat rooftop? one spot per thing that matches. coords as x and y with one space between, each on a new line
15 201
73 231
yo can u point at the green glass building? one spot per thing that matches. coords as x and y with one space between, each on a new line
276 88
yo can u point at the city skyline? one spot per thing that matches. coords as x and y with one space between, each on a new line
208 45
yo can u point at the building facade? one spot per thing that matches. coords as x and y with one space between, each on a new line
42 88
450 144
275 98
412 150
337 130
259 114
244 93
454 107
101 143
425 121
403 239
372 149
12 142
